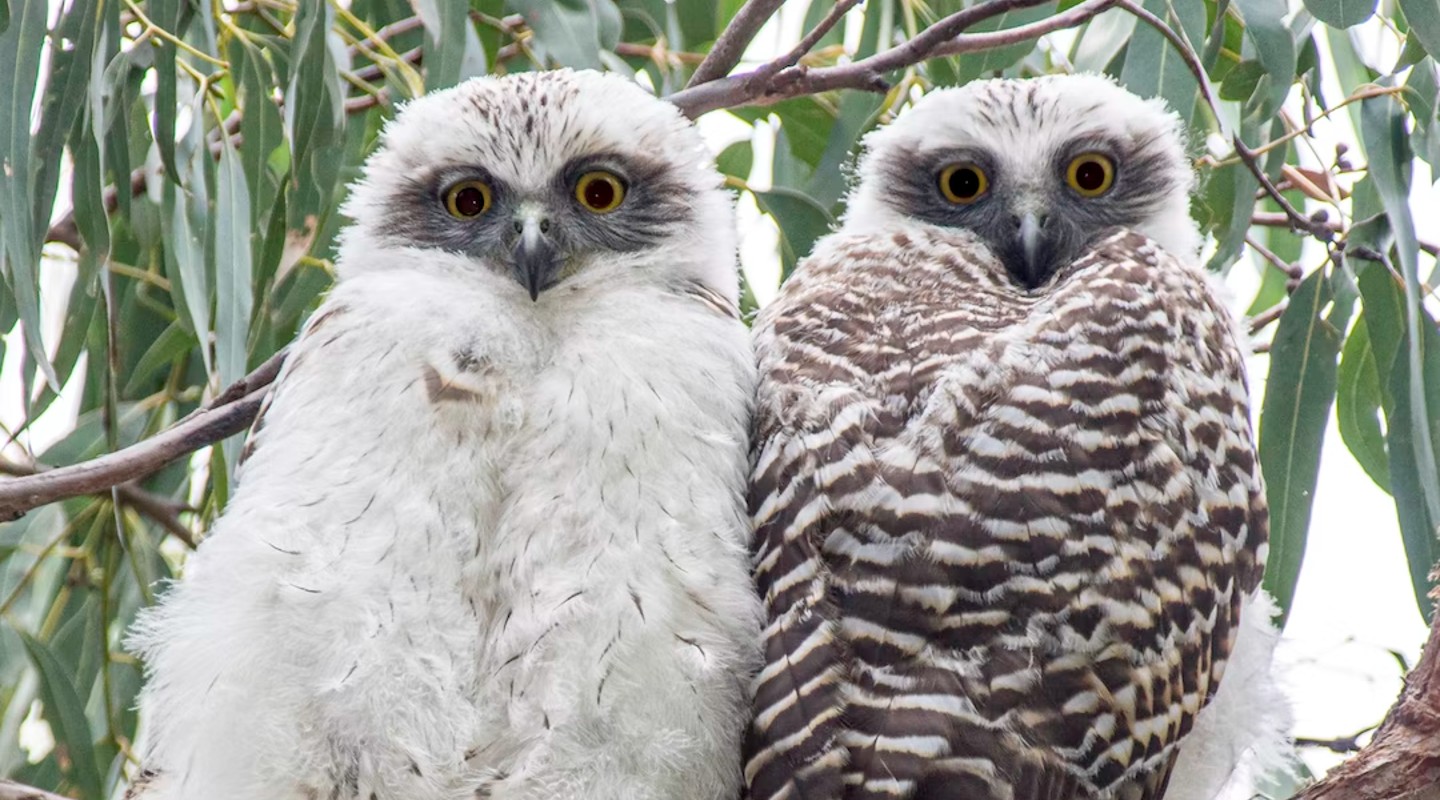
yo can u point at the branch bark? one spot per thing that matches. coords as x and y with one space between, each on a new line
10 790
164 511
730 47
1402 762
227 415
777 80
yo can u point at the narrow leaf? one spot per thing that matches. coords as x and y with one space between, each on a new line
186 220
444 48
1358 404
1154 68
234 296
1415 425
1274 46
66 714
572 32
19 65
1298 394
166 14
800 219
1417 397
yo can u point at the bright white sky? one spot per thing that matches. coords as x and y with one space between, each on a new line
1353 607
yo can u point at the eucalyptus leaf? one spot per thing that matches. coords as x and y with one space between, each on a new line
736 160
801 221
1359 404
1274 46
1341 13
1298 394
66 714
1424 19
1154 68
19 241
571 32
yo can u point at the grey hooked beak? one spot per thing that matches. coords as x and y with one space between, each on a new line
536 258
1029 238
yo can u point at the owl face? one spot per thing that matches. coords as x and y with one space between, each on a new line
543 177
1035 168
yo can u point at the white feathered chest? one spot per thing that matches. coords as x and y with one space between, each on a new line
479 543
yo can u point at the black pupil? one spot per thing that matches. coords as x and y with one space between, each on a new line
599 193
469 201
1090 175
965 183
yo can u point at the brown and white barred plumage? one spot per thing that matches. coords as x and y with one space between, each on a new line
1003 536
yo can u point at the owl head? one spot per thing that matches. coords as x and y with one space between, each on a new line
1035 168
543 179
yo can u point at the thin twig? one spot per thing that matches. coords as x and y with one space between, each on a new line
228 414
767 84
1292 271
1264 318
1275 219
974 42
730 47
1181 43
809 40
1318 228
374 72
1298 221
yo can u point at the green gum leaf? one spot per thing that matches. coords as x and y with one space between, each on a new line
1298 394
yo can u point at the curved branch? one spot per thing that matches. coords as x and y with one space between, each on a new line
162 510
776 80
10 790
730 47
975 42
229 414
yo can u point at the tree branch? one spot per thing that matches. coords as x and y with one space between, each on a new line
10 790
162 510
974 42
775 80
730 47
809 40
1318 228
226 415
1402 762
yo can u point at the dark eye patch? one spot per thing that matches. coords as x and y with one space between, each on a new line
655 201
1143 174
417 215
913 182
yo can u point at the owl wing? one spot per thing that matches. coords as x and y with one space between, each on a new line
1002 539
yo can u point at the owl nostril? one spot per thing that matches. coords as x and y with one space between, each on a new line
518 225
544 226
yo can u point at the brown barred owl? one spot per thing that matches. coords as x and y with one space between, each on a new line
1010 526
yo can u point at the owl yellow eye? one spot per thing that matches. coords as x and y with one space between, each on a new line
963 183
601 192
1090 174
467 199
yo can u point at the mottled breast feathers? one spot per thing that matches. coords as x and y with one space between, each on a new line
1002 536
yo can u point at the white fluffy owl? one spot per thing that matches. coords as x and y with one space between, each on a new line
1009 517
489 540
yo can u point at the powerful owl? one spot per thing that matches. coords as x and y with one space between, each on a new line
1010 526
489 539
